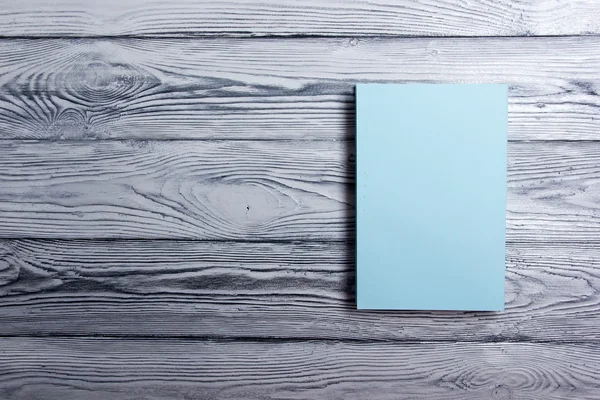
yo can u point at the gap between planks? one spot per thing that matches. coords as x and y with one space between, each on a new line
242 36
296 339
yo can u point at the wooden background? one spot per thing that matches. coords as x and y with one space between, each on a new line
177 213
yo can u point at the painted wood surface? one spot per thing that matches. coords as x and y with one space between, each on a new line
196 190
303 17
183 227
256 190
94 368
297 88
273 290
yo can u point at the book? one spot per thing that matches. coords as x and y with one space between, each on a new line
431 196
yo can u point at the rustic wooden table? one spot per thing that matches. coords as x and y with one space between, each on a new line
177 213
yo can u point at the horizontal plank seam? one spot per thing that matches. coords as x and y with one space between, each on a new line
132 140
246 140
259 339
259 241
263 241
180 240
253 36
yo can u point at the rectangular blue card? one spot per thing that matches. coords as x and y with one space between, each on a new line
431 196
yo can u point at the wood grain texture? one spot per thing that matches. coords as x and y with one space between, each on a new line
256 190
34 369
298 88
273 290
257 300
200 190
304 17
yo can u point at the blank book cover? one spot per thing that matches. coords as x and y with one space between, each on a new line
431 196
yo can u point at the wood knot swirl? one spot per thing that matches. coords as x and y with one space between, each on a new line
68 124
9 270
99 82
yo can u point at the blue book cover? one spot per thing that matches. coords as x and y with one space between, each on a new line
431 196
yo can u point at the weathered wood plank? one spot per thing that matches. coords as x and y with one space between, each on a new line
266 290
200 190
284 89
68 369
553 192
256 190
304 17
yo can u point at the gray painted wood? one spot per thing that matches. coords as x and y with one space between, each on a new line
256 190
244 190
304 17
260 303
94 368
273 290
299 88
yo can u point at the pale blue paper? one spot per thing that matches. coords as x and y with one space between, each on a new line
431 196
